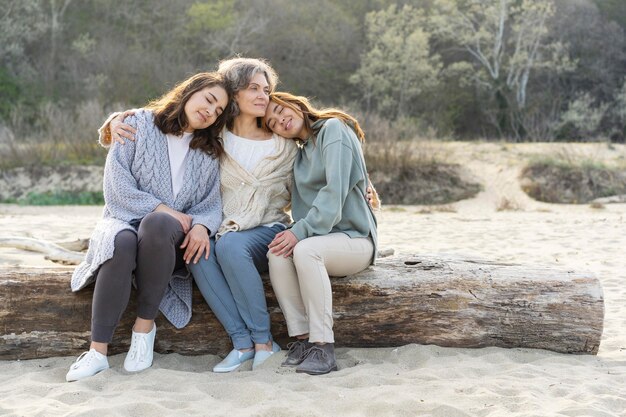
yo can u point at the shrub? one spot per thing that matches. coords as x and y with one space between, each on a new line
571 182
59 198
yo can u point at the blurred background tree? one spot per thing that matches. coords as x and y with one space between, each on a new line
503 69
397 67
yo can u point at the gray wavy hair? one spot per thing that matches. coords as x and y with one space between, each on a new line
239 71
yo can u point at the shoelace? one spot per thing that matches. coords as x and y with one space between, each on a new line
140 347
82 355
75 365
293 346
314 351
296 346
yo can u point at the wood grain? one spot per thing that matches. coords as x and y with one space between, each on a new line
412 299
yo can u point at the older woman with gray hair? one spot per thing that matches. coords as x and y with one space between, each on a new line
256 178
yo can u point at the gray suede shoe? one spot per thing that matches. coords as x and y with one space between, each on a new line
320 360
297 352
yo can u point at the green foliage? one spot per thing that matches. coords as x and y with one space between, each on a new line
84 44
452 108
59 198
415 172
61 135
614 10
596 44
313 45
620 104
468 68
9 93
507 43
565 161
397 67
584 116
559 180
22 23
211 16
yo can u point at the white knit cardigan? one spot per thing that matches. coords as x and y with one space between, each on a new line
263 196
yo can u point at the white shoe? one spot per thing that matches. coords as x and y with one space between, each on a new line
141 351
88 364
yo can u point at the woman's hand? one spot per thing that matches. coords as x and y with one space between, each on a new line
283 243
184 219
372 197
120 130
197 242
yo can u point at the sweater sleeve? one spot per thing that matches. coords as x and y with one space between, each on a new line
208 212
121 191
326 210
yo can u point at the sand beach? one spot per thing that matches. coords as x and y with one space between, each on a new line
407 380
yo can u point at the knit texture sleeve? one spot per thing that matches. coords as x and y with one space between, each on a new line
208 212
337 159
122 195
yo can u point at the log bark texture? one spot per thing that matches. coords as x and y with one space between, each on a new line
411 299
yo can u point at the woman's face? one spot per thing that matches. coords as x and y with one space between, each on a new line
284 121
204 107
253 99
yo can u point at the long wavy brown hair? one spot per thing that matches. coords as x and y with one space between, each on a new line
169 112
312 114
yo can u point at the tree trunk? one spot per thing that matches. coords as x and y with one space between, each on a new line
401 300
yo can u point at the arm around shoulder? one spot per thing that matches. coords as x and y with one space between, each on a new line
105 133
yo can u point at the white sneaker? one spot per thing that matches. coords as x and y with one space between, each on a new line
88 364
141 351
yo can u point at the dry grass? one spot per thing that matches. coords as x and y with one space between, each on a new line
582 155
405 167
398 144
58 137
572 181
508 204
409 169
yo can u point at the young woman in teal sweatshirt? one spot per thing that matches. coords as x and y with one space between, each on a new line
334 233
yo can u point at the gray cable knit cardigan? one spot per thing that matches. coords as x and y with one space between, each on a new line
136 180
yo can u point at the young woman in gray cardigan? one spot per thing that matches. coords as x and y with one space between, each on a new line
162 203
334 233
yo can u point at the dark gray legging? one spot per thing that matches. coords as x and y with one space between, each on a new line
154 254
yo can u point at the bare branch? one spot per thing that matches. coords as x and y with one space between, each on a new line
52 251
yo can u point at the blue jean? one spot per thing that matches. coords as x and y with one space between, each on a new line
230 281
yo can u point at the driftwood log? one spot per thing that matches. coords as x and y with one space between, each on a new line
401 300
67 253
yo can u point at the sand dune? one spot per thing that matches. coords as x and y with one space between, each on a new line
404 381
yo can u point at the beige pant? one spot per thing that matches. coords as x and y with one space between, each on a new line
302 285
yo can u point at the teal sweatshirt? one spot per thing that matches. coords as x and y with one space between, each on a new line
330 182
